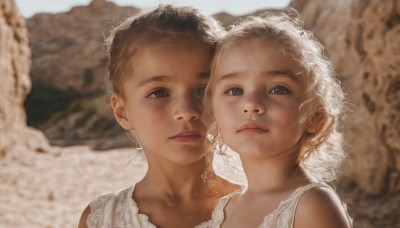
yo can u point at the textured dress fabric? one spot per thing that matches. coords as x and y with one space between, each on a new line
118 209
282 216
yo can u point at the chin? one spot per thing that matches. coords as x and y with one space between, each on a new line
187 158
251 151
188 161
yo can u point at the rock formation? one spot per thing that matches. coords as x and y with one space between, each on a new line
15 137
69 101
68 48
42 186
363 39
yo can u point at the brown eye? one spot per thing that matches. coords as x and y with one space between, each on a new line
159 93
201 91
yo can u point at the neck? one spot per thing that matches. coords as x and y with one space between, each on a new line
165 178
275 174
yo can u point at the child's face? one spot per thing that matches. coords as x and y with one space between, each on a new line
164 101
256 97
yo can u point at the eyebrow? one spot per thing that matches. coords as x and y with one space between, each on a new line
205 74
157 78
163 78
285 73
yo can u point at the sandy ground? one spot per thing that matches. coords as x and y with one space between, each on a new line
52 189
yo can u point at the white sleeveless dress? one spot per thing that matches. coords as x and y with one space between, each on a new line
118 209
281 217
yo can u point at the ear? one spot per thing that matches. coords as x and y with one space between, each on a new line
316 121
118 106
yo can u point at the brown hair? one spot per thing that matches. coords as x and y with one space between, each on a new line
322 150
165 22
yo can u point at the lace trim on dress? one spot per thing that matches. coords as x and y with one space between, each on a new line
96 217
206 224
118 209
218 215
281 217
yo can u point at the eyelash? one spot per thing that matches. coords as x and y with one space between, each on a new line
280 87
198 93
201 91
229 92
154 92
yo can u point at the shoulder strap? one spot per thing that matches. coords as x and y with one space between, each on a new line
98 210
218 213
102 209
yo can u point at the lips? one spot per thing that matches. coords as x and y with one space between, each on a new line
187 136
252 127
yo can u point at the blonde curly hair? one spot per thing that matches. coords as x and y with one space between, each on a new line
321 152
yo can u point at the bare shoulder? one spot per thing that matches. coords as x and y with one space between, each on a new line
84 216
320 207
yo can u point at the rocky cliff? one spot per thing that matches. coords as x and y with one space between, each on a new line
43 186
363 39
67 48
69 100
16 139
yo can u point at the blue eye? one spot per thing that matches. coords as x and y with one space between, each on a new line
279 90
159 93
201 91
234 92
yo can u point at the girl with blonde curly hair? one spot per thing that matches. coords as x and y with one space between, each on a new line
275 101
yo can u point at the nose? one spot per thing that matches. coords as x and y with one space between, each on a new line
187 110
251 106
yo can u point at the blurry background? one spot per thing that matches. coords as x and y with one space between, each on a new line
53 79
28 7
68 101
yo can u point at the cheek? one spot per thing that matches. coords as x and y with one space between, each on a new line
149 113
215 107
287 116
226 121
222 109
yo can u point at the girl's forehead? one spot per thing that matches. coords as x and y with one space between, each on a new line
255 57
254 52
171 60
247 50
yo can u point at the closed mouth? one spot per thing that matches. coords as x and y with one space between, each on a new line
187 136
252 127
